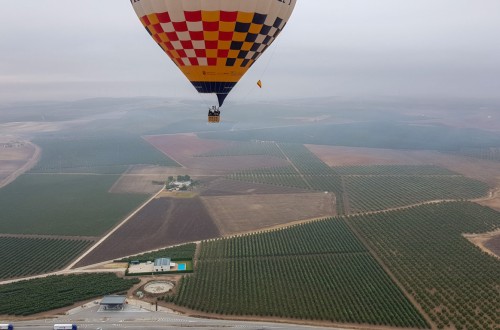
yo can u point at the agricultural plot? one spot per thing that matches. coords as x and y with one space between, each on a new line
482 153
372 193
278 179
246 148
30 256
393 170
71 205
304 160
242 213
163 222
494 245
184 147
368 187
106 154
356 156
182 252
48 293
318 271
225 187
16 156
455 282
475 168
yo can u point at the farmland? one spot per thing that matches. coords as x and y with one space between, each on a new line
474 168
494 245
183 252
164 222
30 256
243 213
315 271
372 193
245 149
184 147
53 204
103 154
455 282
366 188
43 294
16 157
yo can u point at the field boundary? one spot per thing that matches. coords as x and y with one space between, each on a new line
386 269
93 247
25 168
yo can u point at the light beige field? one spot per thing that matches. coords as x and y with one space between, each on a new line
244 213
16 157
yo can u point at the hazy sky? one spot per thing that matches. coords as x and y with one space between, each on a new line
71 49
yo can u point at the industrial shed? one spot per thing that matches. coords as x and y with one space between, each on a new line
113 302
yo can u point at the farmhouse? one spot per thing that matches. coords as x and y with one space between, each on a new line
162 265
180 184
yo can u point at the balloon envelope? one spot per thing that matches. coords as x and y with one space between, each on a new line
214 42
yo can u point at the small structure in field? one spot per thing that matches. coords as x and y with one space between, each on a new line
115 303
159 266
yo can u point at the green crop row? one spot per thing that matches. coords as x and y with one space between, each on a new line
456 283
48 293
30 256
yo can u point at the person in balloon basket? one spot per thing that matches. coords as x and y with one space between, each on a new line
213 111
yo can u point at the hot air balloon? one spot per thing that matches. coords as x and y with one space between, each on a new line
214 42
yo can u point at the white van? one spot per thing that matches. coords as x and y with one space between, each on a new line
65 327
6 326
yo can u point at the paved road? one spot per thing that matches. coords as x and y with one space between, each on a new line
135 317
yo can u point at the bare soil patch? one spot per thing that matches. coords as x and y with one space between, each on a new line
488 242
244 213
16 157
225 187
479 169
493 244
183 148
163 222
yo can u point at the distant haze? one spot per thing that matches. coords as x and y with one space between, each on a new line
65 50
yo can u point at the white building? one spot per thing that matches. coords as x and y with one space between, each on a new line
162 265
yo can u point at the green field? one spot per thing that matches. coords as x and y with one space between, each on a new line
30 256
492 153
103 154
372 193
456 283
53 204
316 271
44 294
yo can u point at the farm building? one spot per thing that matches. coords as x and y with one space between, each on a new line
113 302
180 184
163 265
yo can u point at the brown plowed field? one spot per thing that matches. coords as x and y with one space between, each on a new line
224 187
163 222
244 213
493 245
183 147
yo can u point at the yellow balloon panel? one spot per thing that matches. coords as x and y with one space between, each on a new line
214 42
